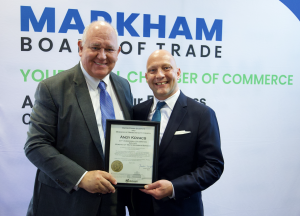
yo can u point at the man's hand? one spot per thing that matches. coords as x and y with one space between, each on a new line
159 189
98 182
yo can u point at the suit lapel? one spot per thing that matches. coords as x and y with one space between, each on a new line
144 112
120 95
86 106
178 114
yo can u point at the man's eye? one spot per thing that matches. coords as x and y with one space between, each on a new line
167 68
94 48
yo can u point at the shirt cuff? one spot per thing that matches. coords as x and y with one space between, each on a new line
76 186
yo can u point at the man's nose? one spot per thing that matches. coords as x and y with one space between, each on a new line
160 73
101 54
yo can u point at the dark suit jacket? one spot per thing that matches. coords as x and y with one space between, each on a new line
192 162
63 142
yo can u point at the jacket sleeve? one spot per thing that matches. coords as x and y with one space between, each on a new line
208 156
40 147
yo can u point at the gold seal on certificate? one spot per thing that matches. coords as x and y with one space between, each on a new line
117 166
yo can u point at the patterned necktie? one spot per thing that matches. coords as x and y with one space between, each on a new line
157 115
106 106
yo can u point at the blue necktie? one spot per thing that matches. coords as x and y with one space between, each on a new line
106 106
157 115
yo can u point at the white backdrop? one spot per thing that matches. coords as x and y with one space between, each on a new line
259 120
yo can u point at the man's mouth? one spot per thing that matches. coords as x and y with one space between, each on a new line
99 63
161 83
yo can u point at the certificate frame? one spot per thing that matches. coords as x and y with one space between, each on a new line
110 151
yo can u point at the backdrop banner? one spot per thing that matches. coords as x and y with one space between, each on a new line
241 58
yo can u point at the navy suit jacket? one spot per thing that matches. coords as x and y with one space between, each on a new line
63 142
192 162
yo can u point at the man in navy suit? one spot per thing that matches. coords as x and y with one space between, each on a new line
66 132
190 157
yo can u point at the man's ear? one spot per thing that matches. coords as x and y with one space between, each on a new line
80 47
146 77
178 73
119 49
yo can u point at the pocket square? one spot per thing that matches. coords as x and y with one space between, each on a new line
182 132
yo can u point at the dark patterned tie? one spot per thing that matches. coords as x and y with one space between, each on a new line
106 106
157 115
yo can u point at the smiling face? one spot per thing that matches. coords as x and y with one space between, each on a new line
99 53
162 74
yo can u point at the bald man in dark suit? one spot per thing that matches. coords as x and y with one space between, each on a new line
190 158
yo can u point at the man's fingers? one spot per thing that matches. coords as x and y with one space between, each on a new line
102 189
144 190
107 185
159 189
107 181
109 177
153 185
97 182
154 193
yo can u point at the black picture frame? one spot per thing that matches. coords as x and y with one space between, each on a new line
155 125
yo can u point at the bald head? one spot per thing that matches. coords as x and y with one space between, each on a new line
97 25
162 74
161 54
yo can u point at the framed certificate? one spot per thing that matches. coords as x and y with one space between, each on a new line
131 152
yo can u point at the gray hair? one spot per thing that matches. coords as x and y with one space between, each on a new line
83 39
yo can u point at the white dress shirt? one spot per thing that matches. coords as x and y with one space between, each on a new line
94 90
166 112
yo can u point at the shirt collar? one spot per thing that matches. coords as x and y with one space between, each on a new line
170 101
93 82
